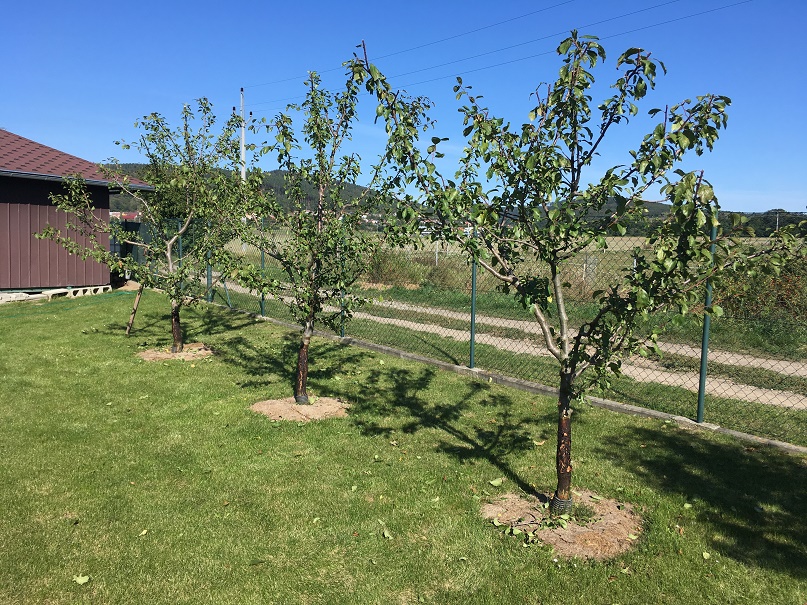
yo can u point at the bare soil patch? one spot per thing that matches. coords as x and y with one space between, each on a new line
129 286
194 350
286 409
613 530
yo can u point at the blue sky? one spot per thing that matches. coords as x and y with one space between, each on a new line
76 75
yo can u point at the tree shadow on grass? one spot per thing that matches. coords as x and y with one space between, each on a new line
756 498
197 322
441 352
476 423
211 321
263 361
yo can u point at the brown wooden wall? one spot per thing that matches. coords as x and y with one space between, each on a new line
30 263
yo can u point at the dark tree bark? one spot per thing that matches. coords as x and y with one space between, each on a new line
176 328
562 499
301 381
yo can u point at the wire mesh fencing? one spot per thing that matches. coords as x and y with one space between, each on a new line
432 301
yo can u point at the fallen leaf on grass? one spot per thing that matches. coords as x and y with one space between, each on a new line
706 556
496 482
143 533
81 579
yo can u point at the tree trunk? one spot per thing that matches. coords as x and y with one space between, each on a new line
176 328
134 309
561 502
300 383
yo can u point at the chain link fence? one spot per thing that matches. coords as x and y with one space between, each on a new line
433 302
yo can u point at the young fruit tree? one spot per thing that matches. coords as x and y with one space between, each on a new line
194 173
318 237
538 200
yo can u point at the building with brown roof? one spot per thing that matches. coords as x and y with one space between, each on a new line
29 173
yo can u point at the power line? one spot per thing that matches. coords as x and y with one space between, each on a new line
541 39
491 52
473 31
630 31
535 56
454 37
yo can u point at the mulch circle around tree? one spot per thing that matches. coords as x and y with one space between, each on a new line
194 350
286 409
613 529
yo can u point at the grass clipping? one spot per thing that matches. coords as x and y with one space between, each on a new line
612 529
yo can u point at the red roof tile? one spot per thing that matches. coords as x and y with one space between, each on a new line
25 157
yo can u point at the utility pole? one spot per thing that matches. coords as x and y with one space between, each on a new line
243 140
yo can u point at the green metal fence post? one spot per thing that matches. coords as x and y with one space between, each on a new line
707 323
472 361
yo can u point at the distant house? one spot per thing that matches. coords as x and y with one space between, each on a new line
29 173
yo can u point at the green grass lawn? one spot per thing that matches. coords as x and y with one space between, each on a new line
158 483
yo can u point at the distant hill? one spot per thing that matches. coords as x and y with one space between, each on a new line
654 212
766 223
274 181
763 223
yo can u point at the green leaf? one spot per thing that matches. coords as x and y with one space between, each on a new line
564 46
387 535
81 579
496 482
